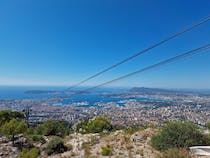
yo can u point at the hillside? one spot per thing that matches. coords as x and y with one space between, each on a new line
121 143
96 138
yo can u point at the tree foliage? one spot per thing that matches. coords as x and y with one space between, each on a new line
12 128
52 127
99 125
96 125
37 138
178 134
55 146
7 115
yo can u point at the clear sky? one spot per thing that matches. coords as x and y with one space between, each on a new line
60 42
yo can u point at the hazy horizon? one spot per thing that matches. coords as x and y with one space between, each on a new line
63 87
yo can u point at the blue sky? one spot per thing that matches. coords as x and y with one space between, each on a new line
54 42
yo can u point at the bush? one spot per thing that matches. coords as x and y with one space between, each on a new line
178 134
8 115
30 131
131 130
107 151
55 146
59 128
99 125
82 125
96 125
174 153
37 138
208 125
13 128
32 153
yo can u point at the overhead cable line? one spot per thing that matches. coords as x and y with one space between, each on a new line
164 62
202 21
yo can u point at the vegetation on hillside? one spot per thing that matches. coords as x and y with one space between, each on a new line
59 128
12 124
56 145
174 153
36 138
29 153
107 151
7 115
177 134
208 125
97 125
13 128
170 140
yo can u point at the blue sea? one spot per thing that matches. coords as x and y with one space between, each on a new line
13 92
19 93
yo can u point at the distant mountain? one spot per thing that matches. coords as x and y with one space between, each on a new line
145 90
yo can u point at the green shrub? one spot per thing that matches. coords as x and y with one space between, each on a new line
37 138
208 125
107 151
32 153
29 131
99 125
55 146
59 128
174 153
82 126
7 115
13 128
178 134
96 125
131 130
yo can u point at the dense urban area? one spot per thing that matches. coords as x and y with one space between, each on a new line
167 105
128 127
